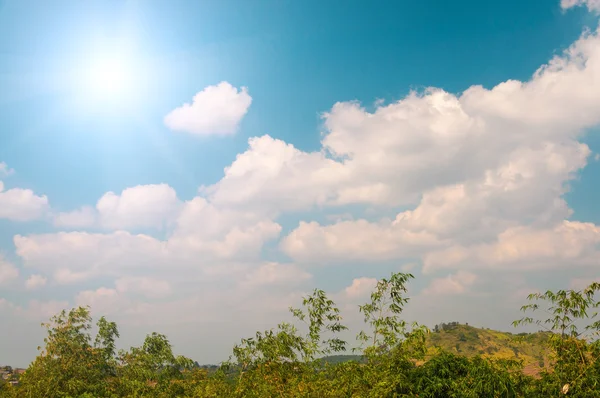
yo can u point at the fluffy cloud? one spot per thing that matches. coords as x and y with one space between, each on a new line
568 244
8 272
5 170
103 300
76 256
275 274
360 287
202 237
149 287
18 204
592 5
486 162
452 284
142 206
214 110
426 141
34 310
80 218
35 281
355 240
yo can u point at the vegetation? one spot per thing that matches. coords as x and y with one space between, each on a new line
395 359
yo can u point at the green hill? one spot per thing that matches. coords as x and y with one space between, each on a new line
471 341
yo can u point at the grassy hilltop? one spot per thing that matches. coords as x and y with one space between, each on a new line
470 341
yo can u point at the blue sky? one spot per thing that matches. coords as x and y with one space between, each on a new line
115 193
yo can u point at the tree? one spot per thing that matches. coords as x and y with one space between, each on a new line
150 369
69 365
321 316
382 314
573 339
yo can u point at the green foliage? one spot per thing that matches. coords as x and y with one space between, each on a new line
321 316
398 360
573 339
382 315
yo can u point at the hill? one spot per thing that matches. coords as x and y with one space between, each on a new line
471 341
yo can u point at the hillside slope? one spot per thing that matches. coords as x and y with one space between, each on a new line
471 341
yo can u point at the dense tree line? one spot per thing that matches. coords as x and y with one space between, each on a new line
284 362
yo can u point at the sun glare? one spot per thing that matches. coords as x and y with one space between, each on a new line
107 79
105 83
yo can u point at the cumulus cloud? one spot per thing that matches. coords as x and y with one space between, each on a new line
452 284
149 287
483 163
103 300
18 204
360 287
34 310
142 206
8 272
215 110
355 240
273 273
425 141
35 281
76 256
592 5
5 170
80 218
570 243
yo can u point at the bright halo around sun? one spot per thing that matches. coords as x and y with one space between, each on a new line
106 83
108 78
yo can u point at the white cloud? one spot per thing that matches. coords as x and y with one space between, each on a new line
354 240
569 244
18 204
102 300
5 170
360 287
215 110
391 156
142 206
272 273
483 163
592 5
452 284
273 176
8 272
81 218
36 310
35 281
75 256
149 287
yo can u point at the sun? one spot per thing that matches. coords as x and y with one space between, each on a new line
106 82
107 79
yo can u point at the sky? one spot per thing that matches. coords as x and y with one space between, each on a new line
194 168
